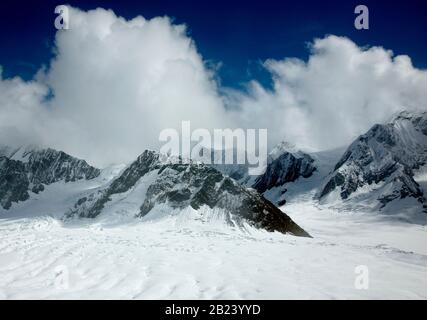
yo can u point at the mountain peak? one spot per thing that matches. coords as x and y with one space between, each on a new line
407 115
283 147
155 184
29 169
383 161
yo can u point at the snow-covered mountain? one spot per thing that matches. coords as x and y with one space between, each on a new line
382 165
285 163
154 183
283 168
386 165
292 173
165 228
383 170
26 169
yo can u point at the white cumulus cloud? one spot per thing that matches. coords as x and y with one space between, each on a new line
338 94
114 84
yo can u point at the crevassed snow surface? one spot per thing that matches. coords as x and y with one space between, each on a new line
195 255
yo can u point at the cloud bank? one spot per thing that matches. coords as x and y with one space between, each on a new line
114 84
339 93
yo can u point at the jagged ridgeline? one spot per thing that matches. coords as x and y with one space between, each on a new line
286 168
387 157
179 184
25 170
285 164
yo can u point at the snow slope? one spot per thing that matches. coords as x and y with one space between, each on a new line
58 197
381 172
174 257
378 167
28 170
153 181
184 253
192 255
323 162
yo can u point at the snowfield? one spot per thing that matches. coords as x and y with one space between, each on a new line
191 254
186 256
176 252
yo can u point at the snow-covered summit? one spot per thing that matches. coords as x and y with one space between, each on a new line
383 162
19 153
286 163
29 169
284 147
149 185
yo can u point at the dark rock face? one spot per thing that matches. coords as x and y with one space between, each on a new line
387 154
49 166
182 185
287 167
14 182
284 164
336 181
92 205
37 168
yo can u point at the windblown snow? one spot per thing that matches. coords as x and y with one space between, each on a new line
187 256
160 231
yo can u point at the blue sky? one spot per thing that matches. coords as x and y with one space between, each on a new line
112 85
239 34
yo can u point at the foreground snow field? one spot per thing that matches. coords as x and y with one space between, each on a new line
186 257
